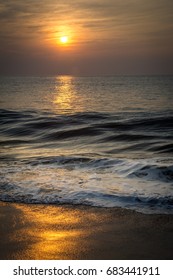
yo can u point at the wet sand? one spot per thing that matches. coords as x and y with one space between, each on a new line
79 232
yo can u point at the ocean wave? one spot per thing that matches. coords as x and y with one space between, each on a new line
118 132
130 168
141 203
132 184
94 158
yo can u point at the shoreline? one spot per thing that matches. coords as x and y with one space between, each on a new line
51 232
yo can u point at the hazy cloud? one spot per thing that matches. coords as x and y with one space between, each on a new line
100 30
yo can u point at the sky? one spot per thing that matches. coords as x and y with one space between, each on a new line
105 37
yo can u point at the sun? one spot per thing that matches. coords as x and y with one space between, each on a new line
64 39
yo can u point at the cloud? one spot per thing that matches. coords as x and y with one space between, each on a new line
98 15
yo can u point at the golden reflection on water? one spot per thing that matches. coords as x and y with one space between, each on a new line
49 232
66 98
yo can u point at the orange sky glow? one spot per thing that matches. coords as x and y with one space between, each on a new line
104 37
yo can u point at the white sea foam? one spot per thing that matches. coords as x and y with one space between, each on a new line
103 182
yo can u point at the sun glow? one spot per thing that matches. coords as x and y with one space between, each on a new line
64 39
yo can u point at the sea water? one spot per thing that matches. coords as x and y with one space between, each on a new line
97 141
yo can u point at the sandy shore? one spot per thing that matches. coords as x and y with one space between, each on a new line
64 232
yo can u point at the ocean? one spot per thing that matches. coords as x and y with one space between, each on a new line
96 141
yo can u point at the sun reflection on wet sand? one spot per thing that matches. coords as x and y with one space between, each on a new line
53 236
44 232
51 232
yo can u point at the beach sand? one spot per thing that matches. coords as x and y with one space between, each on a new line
81 232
